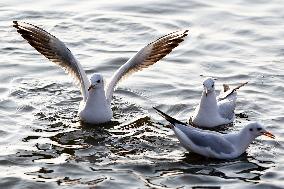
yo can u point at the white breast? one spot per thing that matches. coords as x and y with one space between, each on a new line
96 109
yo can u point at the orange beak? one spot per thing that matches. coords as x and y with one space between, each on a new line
268 134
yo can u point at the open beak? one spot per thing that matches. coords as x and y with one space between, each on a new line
268 134
91 87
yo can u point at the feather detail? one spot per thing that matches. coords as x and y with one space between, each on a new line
55 50
147 56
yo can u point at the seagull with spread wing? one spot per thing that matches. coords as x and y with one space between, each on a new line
95 107
214 111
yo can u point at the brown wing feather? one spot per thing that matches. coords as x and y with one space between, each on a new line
55 50
147 56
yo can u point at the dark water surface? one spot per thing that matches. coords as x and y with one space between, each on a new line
42 142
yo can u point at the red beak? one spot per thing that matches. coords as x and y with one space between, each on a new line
268 134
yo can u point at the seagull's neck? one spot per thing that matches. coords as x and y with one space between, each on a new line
209 102
242 140
96 97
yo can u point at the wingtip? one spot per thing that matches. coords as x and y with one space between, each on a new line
164 115
183 32
15 23
226 87
159 111
170 119
186 31
241 85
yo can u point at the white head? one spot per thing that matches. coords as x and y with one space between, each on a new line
97 81
256 129
209 85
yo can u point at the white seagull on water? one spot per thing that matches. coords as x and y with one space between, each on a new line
95 107
212 112
213 144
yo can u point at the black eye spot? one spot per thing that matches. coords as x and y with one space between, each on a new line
98 81
250 129
212 85
259 129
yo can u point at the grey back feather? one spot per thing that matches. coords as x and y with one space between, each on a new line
207 139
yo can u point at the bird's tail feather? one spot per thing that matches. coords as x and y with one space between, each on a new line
170 119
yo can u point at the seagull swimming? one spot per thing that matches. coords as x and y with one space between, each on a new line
213 144
95 107
212 112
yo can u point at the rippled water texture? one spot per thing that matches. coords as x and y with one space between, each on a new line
42 142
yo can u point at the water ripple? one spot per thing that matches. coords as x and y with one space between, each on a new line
45 145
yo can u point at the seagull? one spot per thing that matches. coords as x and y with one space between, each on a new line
95 107
213 111
213 144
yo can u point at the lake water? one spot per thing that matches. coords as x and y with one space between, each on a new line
44 145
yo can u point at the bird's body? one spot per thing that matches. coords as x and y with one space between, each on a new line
213 111
207 113
213 144
95 107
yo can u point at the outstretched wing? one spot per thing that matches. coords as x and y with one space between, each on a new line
147 56
227 101
228 92
55 50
